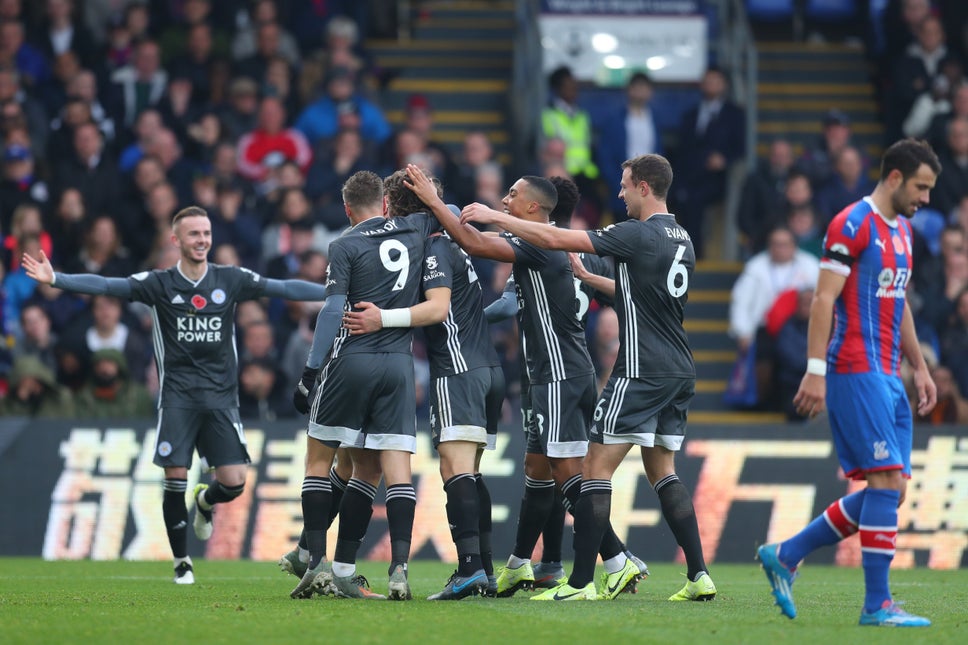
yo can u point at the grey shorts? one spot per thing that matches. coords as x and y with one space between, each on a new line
467 406
560 417
217 434
643 411
366 401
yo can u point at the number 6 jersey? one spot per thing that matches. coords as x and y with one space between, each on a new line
654 261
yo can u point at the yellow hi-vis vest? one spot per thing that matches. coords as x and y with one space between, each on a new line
576 132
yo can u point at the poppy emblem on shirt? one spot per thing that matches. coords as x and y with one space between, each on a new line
199 302
898 244
218 296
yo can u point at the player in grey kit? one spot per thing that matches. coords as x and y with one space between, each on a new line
193 309
366 398
647 397
466 389
560 371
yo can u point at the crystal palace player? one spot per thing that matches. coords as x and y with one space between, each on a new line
865 269
193 308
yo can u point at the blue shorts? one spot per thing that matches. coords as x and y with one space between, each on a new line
870 417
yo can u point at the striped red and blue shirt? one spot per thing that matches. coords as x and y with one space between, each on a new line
874 253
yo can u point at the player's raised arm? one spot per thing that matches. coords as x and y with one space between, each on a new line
537 233
467 237
367 317
88 283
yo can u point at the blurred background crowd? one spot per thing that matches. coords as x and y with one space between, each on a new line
114 114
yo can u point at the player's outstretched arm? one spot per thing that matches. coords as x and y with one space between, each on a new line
911 348
467 237
367 317
597 282
295 290
539 234
89 283
502 308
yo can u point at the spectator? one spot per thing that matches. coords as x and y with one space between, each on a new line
174 40
564 119
762 195
952 185
240 115
489 186
328 173
818 160
245 43
91 170
263 392
26 223
15 52
34 392
105 329
954 342
110 393
258 342
60 142
767 274
119 44
61 31
294 213
937 134
233 223
420 122
54 92
806 228
475 152
267 47
179 171
68 225
625 133
848 183
321 119
145 126
204 135
196 62
32 110
936 101
301 235
16 288
19 184
102 252
914 73
271 143
178 106
278 82
711 138
141 83
37 338
952 406
83 86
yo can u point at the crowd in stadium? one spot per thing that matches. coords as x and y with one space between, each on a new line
117 113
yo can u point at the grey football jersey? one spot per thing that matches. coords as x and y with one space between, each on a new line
552 334
654 264
194 332
462 342
379 261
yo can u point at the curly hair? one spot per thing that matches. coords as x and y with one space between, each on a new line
401 201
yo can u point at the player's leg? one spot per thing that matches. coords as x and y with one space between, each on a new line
878 516
316 500
221 440
548 572
401 503
494 403
355 514
175 439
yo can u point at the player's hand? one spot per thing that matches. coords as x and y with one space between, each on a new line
40 270
927 391
479 213
421 185
811 395
300 396
366 318
577 266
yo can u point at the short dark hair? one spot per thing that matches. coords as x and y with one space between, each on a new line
654 170
559 76
568 197
546 193
906 156
637 77
401 201
362 189
188 211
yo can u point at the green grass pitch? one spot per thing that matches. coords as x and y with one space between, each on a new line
248 602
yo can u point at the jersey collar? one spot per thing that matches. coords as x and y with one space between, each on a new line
890 222
194 283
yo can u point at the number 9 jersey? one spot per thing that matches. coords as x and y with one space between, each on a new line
380 261
654 262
